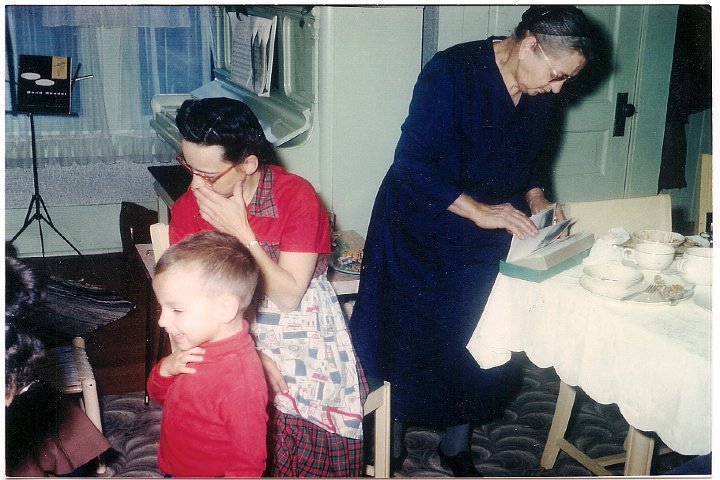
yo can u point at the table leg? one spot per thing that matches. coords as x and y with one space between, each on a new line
561 417
639 453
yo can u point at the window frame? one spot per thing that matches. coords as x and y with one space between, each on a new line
289 107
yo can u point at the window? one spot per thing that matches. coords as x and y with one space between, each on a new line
134 53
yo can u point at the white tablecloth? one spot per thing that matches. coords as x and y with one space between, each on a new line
652 360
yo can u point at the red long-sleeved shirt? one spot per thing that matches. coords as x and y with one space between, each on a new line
214 421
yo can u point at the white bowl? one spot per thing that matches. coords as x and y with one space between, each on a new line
610 279
658 236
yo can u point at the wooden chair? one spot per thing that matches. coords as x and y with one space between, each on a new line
377 402
597 217
703 193
639 213
68 368
160 238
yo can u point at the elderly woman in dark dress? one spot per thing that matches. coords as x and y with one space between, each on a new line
462 183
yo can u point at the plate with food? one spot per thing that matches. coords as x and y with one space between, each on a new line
662 290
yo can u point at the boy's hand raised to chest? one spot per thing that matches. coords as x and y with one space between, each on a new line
177 362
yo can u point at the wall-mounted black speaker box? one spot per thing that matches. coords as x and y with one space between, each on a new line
44 84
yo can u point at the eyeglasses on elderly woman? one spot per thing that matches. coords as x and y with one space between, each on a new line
556 77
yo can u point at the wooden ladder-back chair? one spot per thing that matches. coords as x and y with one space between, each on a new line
597 217
377 402
69 370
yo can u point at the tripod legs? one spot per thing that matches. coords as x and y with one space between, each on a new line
37 201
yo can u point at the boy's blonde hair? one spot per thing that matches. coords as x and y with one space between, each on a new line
226 264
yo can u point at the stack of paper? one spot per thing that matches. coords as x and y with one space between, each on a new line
253 47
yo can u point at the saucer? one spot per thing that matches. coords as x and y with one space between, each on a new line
672 269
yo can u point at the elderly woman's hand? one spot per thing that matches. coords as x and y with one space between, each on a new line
537 202
507 217
494 216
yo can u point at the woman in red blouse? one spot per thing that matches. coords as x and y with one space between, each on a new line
318 388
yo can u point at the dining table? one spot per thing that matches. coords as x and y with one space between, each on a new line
652 359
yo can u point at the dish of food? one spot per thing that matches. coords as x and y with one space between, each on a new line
346 258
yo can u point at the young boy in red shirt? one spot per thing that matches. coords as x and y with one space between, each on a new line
212 387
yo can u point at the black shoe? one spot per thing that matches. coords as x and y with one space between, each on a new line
461 464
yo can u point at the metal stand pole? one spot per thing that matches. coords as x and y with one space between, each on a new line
37 201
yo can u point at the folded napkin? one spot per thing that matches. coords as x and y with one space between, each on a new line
608 247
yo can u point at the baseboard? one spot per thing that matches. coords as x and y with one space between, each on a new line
92 229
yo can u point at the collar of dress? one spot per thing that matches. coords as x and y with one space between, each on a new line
263 202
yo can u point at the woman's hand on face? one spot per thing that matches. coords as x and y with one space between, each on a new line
507 217
228 215
274 377
176 362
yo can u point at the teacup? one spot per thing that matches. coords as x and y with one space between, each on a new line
696 266
650 256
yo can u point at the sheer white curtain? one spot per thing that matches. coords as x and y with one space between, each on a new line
133 53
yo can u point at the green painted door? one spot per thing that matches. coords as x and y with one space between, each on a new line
591 160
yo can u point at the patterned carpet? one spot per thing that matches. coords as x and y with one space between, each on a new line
507 447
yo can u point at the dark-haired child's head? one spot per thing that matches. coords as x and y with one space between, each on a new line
22 350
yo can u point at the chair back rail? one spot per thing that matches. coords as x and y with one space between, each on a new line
633 214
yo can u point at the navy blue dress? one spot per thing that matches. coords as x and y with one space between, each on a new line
426 272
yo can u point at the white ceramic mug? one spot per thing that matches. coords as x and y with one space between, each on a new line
696 266
650 256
